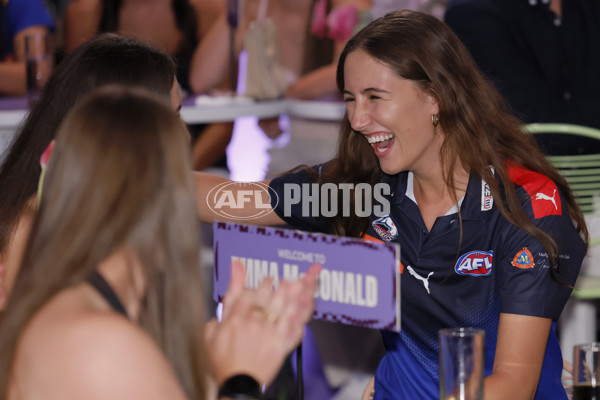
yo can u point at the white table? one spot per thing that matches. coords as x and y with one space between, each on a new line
207 110
220 110
202 109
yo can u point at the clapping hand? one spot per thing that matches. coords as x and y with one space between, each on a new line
259 327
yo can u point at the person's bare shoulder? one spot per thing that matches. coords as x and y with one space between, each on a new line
95 356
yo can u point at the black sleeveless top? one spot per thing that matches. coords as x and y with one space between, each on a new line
102 286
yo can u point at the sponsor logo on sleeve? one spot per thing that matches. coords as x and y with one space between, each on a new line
542 196
545 199
385 228
523 259
487 201
475 263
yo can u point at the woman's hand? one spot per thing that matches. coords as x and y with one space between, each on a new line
259 327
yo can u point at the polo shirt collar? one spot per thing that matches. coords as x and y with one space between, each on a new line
475 205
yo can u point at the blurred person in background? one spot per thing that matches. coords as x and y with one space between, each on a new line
542 55
178 27
18 18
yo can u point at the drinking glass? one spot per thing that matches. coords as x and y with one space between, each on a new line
586 371
461 363
39 61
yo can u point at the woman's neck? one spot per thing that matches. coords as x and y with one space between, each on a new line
433 195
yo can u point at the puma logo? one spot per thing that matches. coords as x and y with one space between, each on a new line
542 196
419 277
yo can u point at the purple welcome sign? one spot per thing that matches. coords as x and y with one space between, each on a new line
358 285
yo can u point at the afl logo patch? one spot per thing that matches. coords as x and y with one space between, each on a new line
385 228
475 263
523 259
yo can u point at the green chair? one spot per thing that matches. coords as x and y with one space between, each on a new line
582 172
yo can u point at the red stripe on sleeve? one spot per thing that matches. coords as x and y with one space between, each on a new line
545 199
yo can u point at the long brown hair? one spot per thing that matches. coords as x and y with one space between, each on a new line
119 177
479 132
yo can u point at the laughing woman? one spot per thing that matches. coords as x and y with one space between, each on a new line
465 182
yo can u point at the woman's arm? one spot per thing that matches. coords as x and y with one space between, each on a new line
210 62
12 73
314 85
519 356
82 20
318 83
209 65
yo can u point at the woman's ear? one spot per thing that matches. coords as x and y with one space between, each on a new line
429 96
436 107
433 100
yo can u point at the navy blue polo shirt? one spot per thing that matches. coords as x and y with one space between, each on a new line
496 268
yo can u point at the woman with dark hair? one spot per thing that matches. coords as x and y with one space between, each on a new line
108 303
106 59
490 233
181 29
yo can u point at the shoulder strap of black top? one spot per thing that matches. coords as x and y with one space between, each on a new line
103 287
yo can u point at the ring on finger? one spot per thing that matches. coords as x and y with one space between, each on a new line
264 314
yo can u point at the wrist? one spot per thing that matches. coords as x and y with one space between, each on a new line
240 387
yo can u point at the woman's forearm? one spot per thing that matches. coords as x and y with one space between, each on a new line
210 62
